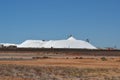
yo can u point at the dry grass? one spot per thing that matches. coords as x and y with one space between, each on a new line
61 69
17 72
13 78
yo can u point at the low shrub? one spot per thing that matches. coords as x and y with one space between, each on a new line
45 57
103 59
81 58
67 58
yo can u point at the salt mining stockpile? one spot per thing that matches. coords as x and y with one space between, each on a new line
70 46
69 43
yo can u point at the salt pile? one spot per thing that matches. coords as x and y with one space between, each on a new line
69 43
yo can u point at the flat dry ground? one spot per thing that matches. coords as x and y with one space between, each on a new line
79 63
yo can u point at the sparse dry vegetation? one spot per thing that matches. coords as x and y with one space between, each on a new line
61 65
15 72
61 69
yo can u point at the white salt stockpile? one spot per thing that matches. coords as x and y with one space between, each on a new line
69 43
32 44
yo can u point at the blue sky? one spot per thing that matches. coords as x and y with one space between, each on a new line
97 20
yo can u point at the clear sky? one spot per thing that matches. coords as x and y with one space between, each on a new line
97 20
